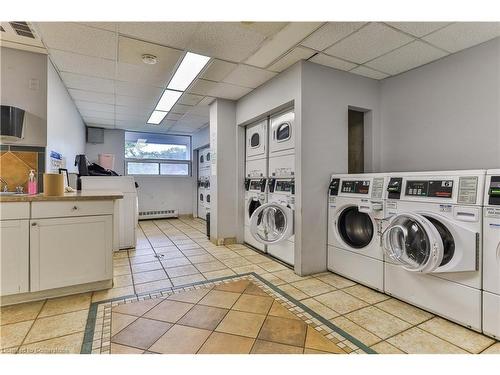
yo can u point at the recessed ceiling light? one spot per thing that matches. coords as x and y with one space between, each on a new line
188 70
149 59
156 117
167 100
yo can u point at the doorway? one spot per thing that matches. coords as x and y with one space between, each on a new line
356 142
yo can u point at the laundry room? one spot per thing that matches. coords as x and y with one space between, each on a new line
276 186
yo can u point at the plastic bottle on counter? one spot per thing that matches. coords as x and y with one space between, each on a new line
32 188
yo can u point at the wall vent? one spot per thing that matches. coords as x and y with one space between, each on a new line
22 29
145 215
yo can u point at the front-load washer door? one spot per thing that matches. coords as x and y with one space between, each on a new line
256 139
272 223
355 228
282 133
252 204
414 242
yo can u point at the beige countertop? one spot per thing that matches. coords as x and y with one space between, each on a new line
76 196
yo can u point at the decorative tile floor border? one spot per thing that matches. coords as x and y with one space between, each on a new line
97 338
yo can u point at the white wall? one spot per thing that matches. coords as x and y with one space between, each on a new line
65 127
17 69
326 96
155 193
444 115
201 138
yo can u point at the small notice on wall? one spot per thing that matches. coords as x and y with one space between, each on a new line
56 161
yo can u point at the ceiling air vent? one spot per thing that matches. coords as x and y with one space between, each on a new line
21 28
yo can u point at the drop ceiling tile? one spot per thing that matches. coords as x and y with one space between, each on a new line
81 39
418 29
461 35
131 67
92 96
173 116
137 90
110 26
367 72
330 33
95 106
133 110
180 108
83 82
332 62
285 39
190 99
200 110
369 42
137 102
218 70
98 121
248 76
219 89
265 28
225 40
207 100
81 64
97 114
296 54
143 118
128 124
170 34
407 57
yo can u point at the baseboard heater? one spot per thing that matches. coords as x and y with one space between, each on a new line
161 214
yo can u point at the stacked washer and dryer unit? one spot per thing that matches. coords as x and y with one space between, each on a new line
204 171
270 186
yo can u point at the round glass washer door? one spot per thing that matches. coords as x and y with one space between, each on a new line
355 227
271 223
413 242
253 204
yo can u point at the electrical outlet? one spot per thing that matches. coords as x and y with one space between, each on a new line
34 84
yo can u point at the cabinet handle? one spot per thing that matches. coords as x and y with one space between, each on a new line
33 224
75 208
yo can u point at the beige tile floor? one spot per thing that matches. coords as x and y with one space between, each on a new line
175 252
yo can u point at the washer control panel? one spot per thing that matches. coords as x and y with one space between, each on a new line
429 188
356 187
494 191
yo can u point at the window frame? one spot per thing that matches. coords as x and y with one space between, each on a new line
188 162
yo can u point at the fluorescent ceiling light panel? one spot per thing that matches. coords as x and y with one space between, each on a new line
156 117
188 70
167 100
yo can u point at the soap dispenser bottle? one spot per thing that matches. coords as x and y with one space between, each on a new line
32 188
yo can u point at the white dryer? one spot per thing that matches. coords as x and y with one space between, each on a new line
256 140
433 242
282 134
272 223
491 255
255 196
207 194
202 211
355 212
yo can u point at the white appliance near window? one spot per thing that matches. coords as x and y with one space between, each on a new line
203 185
127 214
272 224
255 196
282 134
491 254
433 242
355 212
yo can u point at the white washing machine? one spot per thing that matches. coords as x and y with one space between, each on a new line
256 140
355 212
282 134
255 196
202 193
207 194
433 242
491 255
272 223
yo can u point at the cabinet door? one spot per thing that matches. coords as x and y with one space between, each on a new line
127 215
70 251
14 241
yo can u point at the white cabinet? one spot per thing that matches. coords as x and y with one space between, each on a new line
70 250
14 259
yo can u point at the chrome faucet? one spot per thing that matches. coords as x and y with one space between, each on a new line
5 187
